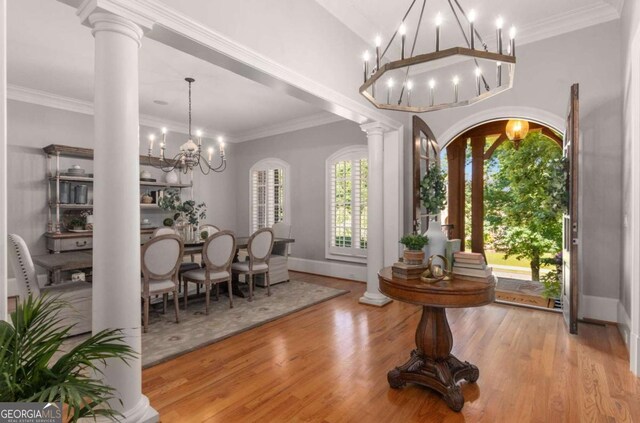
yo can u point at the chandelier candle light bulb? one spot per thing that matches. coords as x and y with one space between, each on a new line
478 74
403 34
472 19
409 88
152 138
512 36
499 23
365 58
199 135
378 44
389 89
210 154
456 81
432 86
438 23
220 141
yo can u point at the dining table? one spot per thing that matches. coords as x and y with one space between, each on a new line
57 263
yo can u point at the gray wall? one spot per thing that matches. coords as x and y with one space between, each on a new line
32 127
544 74
306 152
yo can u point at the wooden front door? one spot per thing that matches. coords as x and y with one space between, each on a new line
425 152
570 274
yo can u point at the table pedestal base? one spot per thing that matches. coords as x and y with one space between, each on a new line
432 363
439 375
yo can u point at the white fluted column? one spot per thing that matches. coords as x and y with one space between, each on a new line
375 216
116 236
3 159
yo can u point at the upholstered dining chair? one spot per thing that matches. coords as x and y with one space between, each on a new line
217 255
259 248
185 266
164 230
278 263
76 294
210 229
161 257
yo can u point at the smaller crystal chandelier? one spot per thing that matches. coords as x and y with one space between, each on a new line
190 155
422 84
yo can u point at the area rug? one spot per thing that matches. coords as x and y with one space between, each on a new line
167 339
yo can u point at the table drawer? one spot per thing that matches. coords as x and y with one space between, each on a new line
145 237
69 244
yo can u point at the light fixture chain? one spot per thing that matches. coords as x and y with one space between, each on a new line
396 31
413 47
189 109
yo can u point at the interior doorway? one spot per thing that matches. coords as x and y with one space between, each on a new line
506 196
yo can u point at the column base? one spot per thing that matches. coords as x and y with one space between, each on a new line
377 300
143 412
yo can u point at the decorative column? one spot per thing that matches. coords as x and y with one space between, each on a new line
375 216
3 159
116 236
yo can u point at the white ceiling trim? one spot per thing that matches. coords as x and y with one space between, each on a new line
55 101
567 22
594 14
285 127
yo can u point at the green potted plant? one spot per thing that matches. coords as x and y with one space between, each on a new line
413 248
76 223
30 373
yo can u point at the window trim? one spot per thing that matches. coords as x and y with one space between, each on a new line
266 164
352 152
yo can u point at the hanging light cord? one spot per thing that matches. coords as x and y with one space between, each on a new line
413 47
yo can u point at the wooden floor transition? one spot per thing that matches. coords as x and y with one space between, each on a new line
328 363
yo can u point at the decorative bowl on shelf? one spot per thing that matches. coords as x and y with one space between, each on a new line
171 177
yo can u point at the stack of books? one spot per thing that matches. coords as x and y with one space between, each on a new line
470 266
403 270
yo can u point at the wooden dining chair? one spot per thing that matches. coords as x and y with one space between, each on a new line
259 249
217 254
165 230
160 258
210 229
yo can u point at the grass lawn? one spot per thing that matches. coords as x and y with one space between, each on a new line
494 257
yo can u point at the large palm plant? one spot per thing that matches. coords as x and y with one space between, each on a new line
29 373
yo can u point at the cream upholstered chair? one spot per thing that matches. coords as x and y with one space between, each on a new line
211 229
259 248
76 294
161 257
278 264
217 255
164 230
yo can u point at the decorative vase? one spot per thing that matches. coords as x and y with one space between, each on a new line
437 238
89 224
171 177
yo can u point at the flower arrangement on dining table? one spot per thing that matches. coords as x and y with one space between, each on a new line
188 209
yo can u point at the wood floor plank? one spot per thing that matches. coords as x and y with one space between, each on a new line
328 363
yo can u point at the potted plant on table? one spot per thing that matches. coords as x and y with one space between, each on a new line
188 213
413 248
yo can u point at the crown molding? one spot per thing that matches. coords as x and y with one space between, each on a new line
55 101
286 127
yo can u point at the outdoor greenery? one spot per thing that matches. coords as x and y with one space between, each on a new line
433 189
188 209
415 242
524 199
348 173
552 286
28 372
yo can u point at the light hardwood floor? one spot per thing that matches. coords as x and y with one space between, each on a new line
328 363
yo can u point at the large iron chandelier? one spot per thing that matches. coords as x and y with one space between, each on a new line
190 156
424 77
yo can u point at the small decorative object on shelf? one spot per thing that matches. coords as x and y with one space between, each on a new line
171 177
414 244
168 222
146 198
433 195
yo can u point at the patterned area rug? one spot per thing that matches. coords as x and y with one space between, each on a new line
167 339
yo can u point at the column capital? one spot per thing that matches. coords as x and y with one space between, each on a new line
115 15
375 128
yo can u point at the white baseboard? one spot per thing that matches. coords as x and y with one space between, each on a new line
599 308
329 268
624 325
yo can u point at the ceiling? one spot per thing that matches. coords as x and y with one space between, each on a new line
50 55
534 19
50 61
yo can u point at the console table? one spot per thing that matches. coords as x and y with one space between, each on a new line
431 364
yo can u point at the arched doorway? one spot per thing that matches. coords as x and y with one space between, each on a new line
498 186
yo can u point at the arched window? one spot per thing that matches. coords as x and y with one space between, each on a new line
346 202
269 193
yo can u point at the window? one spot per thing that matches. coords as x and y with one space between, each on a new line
269 193
347 172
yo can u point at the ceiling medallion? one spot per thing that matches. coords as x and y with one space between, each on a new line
441 78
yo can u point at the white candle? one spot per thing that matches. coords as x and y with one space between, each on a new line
456 81
432 85
365 58
403 31
199 135
512 35
210 153
389 89
478 73
164 135
438 23
378 44
409 88
162 150
220 141
499 76
152 138
499 23
472 18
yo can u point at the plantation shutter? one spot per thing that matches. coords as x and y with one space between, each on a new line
267 195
